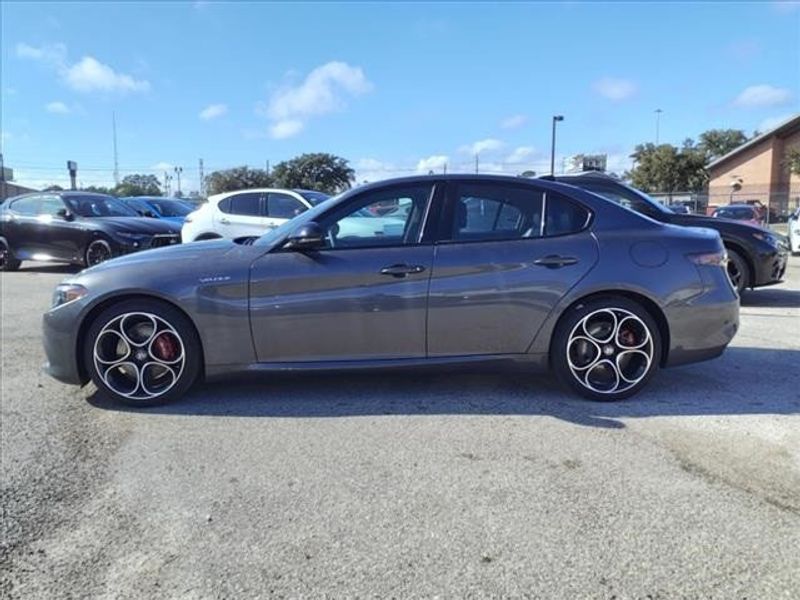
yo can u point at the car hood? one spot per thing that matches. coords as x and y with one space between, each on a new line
180 256
132 225
714 223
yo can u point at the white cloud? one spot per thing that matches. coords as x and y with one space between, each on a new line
614 89
89 75
161 167
520 155
762 95
436 162
57 108
86 75
513 122
487 145
212 111
285 129
772 122
324 90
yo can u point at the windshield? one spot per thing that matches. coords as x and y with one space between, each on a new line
171 208
313 198
621 194
99 206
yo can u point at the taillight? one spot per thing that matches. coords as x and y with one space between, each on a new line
709 259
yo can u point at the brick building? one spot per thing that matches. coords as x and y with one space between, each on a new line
759 168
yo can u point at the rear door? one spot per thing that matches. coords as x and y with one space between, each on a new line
507 254
280 208
239 215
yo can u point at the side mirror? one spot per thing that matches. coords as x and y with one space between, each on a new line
308 237
63 213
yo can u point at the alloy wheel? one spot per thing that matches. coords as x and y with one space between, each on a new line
139 355
734 274
97 252
609 351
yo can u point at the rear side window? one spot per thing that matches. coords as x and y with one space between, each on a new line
26 206
488 211
283 206
248 204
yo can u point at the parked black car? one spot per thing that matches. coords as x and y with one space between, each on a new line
75 227
756 256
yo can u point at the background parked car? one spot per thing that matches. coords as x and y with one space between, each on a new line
169 209
794 232
247 213
756 256
739 212
75 227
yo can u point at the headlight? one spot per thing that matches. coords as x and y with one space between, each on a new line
135 239
767 237
68 292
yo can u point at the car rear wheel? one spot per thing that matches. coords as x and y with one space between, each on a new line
7 260
738 271
606 349
96 252
142 353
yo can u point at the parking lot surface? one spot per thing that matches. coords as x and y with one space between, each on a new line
410 484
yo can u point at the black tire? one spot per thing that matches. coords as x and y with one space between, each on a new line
587 365
7 260
96 252
738 271
112 370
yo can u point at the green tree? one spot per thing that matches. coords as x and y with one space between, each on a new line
718 142
317 171
138 185
667 169
53 188
239 178
98 189
792 160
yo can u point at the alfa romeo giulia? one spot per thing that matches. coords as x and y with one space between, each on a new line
452 269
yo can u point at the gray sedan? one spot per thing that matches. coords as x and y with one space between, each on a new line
464 269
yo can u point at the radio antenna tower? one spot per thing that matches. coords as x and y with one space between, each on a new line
116 158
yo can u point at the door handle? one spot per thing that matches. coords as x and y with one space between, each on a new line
554 261
402 270
225 221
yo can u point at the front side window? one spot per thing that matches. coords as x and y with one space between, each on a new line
50 205
26 206
365 223
242 204
99 206
283 206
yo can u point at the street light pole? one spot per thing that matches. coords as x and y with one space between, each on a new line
178 171
556 119
658 123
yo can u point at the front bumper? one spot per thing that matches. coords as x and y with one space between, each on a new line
59 336
770 267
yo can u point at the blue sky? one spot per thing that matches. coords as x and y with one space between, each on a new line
395 88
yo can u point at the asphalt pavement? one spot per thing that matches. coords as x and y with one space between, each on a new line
414 484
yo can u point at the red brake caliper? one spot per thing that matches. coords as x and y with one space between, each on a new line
165 347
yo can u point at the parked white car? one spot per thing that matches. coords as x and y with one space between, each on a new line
794 232
247 212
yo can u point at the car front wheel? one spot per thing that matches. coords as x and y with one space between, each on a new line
96 252
7 260
142 353
738 271
606 348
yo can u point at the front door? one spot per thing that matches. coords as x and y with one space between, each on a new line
281 208
241 215
510 252
363 296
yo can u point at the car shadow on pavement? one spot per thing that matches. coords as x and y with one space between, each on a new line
54 269
771 297
742 381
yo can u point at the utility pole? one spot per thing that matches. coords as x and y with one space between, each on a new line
178 171
167 187
202 180
266 165
444 169
658 123
116 158
476 163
